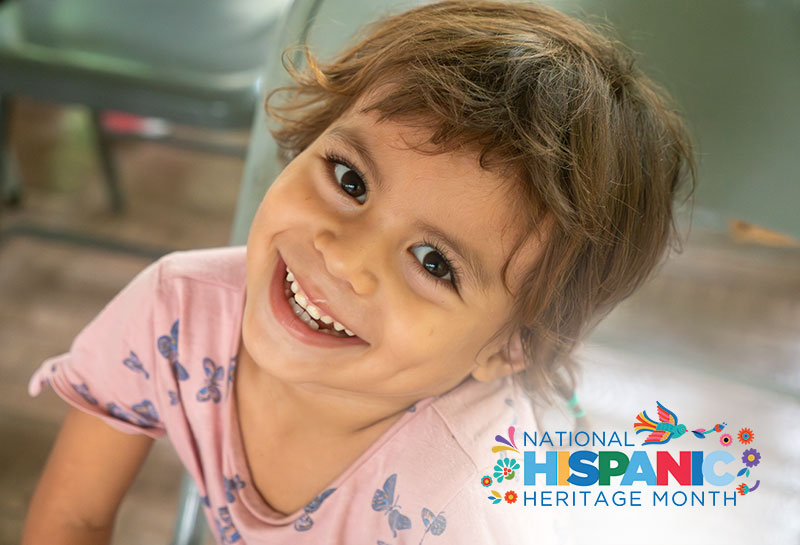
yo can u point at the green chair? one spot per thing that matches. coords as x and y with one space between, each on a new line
188 62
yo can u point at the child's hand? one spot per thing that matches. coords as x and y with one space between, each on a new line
89 470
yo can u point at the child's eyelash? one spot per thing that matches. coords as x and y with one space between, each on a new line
451 264
334 158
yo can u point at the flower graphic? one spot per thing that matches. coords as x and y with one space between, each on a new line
505 468
495 498
510 496
725 439
743 489
486 481
751 457
745 436
507 444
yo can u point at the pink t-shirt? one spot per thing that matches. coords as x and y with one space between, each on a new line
159 360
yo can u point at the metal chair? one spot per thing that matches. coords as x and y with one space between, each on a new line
191 63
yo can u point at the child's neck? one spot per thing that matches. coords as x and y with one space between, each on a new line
299 410
284 427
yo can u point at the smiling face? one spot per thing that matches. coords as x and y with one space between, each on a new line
403 249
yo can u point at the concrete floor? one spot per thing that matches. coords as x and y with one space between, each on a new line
714 336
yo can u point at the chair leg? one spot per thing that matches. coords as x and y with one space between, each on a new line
103 143
10 190
189 525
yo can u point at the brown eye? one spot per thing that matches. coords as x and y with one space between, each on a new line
351 182
433 262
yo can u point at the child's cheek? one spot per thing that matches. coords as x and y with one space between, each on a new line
287 201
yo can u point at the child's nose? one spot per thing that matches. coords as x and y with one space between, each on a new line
348 258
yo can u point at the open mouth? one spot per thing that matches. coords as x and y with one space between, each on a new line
305 320
310 314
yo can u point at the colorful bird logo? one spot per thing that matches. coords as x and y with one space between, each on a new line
662 431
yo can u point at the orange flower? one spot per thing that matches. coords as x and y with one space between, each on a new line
511 496
743 489
746 436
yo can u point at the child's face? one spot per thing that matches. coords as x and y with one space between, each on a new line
359 256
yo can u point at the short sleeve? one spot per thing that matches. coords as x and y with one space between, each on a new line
473 516
114 369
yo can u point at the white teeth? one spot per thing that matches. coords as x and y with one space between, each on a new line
309 322
308 312
298 310
313 311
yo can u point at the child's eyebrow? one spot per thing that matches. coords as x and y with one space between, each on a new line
351 138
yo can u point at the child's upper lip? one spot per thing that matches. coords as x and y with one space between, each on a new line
316 297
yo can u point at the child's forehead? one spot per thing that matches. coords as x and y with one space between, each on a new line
363 124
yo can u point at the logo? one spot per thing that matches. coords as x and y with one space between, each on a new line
608 468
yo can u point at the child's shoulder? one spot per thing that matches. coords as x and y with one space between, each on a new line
475 412
224 267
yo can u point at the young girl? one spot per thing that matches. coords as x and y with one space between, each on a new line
469 190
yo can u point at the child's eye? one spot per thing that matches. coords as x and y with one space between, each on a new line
435 263
350 181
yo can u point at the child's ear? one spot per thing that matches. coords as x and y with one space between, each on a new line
506 359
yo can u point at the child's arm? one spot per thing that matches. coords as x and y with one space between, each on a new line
89 470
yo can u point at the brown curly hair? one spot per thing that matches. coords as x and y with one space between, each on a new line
599 153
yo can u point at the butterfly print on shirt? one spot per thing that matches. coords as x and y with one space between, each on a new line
435 524
214 374
305 522
231 486
132 362
83 389
384 500
144 414
168 346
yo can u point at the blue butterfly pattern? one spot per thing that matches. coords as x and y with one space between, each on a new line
435 524
384 500
227 531
231 369
117 412
214 374
132 362
144 416
305 522
168 346
174 399
83 389
231 486
146 411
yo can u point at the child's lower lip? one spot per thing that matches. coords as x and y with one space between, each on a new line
296 328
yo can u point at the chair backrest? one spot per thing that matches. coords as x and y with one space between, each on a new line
206 37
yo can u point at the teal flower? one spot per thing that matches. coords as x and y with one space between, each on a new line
505 468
